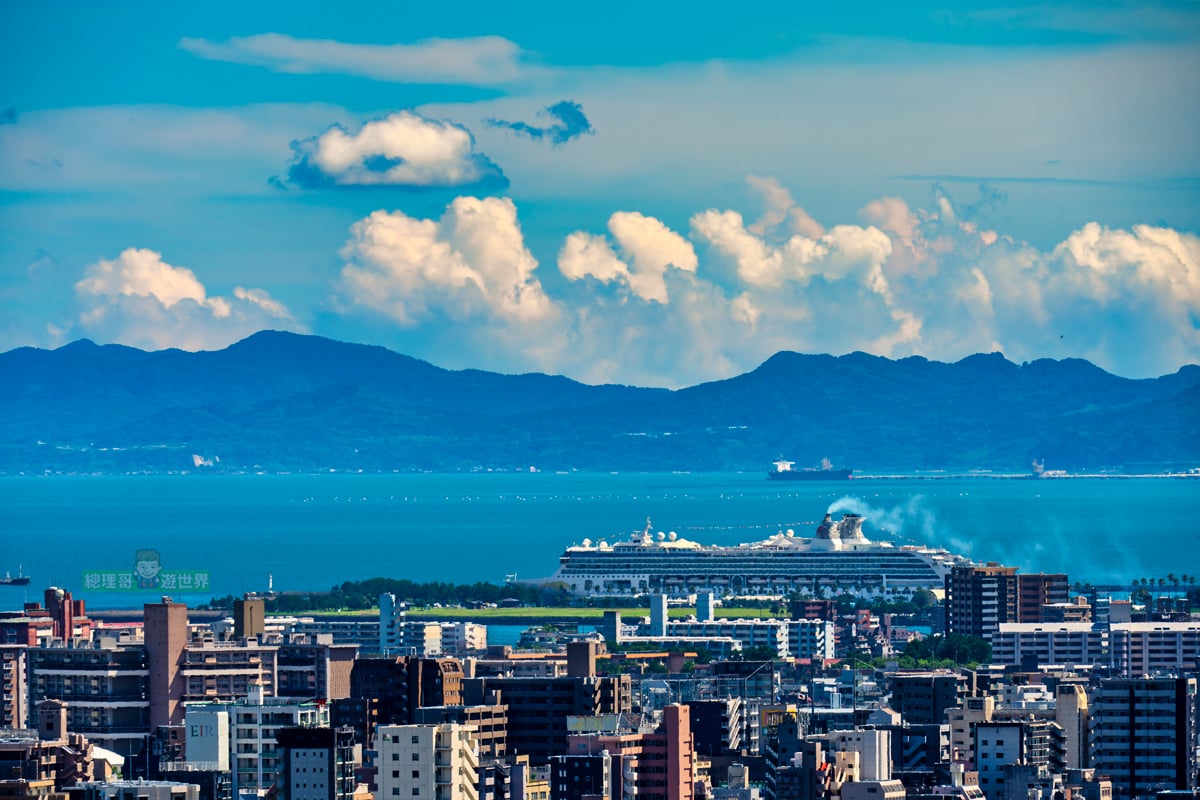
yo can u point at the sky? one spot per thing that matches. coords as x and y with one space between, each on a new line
655 193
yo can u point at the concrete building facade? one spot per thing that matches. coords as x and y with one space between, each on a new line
980 598
316 763
105 687
433 762
1143 734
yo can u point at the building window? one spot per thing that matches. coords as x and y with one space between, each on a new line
395 756
416 756
416 740
416 773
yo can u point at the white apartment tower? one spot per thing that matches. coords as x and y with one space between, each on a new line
427 762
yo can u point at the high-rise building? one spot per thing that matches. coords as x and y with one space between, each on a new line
660 765
538 707
1143 734
166 636
962 721
488 721
1040 643
658 615
254 722
1154 648
1031 743
14 692
428 762
400 636
923 697
316 763
1039 589
717 726
811 638
396 687
979 598
104 686
1071 714
314 667
573 777
217 670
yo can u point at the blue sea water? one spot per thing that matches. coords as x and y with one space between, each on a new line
314 531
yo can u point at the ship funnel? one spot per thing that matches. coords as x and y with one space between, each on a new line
851 527
825 529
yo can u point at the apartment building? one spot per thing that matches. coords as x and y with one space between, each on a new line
427 762
1143 734
104 686
316 763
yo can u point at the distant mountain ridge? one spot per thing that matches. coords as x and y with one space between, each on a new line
282 401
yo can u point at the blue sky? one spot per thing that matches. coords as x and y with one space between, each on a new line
645 193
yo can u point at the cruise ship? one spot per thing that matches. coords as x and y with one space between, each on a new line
837 558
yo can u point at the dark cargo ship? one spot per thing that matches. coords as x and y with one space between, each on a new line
14 580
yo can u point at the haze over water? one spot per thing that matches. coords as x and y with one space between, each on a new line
315 531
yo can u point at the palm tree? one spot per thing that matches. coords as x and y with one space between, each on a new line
1171 579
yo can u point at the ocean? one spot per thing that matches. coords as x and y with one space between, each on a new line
233 534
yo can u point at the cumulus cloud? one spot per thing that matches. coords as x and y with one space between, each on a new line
403 149
142 301
472 61
781 213
467 275
568 122
648 249
645 304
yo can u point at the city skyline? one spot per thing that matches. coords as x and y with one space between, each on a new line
657 196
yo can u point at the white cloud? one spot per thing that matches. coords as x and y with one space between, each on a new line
781 209
469 266
402 149
142 301
472 61
920 282
649 247
585 254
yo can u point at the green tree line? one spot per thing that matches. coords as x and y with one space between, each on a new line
364 595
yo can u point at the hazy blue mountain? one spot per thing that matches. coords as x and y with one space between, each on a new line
281 401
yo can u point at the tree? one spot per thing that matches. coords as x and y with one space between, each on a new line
955 647
759 652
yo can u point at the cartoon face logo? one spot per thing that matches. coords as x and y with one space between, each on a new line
146 566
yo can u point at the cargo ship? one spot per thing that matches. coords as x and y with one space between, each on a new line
838 557
18 580
786 471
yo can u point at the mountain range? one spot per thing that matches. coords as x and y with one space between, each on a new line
286 402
